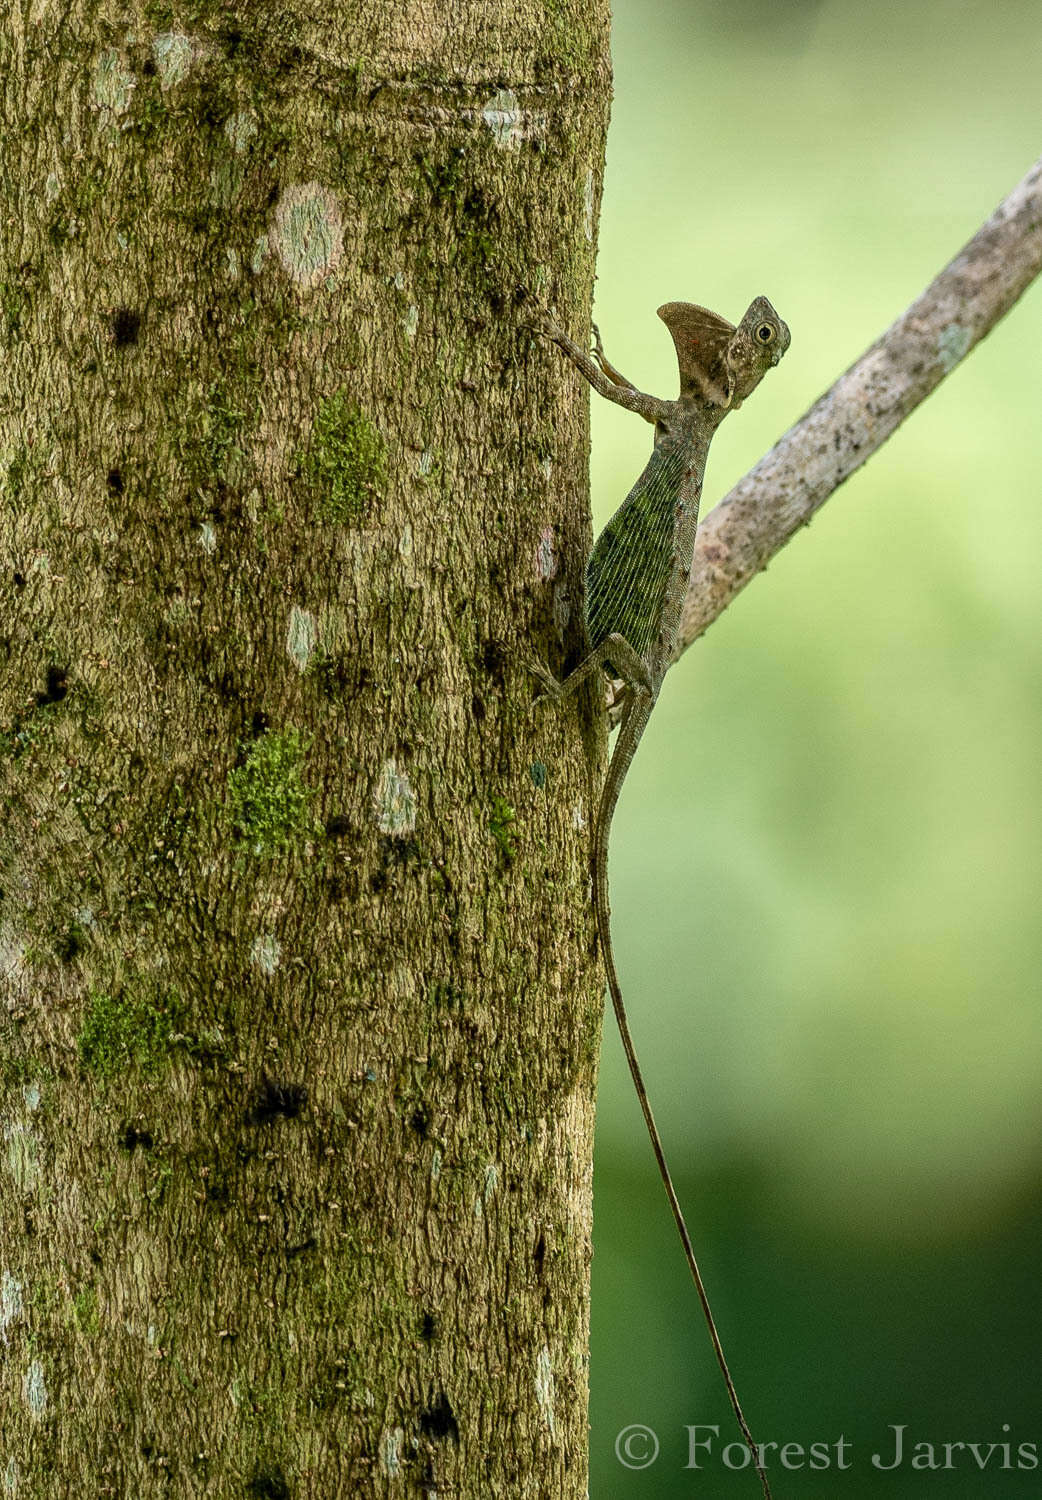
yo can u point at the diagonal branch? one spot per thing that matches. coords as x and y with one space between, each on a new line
740 536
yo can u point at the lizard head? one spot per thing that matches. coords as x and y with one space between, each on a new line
721 364
759 342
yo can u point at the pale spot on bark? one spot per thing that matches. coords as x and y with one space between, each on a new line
502 115
240 129
207 537
301 636
578 817
11 1305
172 51
509 123
411 321
952 343
113 83
395 802
260 253
12 1477
31 1095
34 1389
391 1452
544 1386
265 952
308 233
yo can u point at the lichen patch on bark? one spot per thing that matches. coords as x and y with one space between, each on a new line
308 233
172 51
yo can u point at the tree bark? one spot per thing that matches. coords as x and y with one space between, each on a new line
300 1027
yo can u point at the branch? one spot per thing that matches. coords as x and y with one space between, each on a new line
740 536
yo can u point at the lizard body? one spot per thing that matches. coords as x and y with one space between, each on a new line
636 580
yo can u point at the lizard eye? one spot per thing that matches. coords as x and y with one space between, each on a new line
765 333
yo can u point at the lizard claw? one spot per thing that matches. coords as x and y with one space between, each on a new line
597 346
539 321
551 688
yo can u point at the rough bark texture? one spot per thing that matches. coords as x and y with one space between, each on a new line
299 1025
738 538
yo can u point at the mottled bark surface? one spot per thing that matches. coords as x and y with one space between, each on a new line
299 1027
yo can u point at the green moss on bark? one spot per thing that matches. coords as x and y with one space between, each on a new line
269 800
125 1029
345 464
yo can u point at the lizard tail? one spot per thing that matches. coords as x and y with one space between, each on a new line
603 910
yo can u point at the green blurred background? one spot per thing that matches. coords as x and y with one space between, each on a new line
825 865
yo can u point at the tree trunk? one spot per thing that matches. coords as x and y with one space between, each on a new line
300 1025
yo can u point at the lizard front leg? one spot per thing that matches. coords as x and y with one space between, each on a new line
604 380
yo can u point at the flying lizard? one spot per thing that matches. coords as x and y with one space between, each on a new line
636 580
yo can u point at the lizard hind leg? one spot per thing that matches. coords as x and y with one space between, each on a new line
614 651
623 663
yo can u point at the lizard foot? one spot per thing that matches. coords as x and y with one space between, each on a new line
617 696
551 688
538 320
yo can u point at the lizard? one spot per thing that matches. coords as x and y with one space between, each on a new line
636 580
